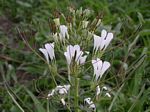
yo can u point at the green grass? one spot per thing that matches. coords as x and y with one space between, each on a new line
24 78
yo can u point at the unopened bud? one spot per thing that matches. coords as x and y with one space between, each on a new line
57 21
63 101
98 22
85 24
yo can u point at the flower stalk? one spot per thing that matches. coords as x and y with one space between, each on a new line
76 96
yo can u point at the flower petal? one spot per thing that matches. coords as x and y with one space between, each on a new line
97 64
107 94
68 58
108 39
105 66
67 87
98 90
97 41
103 33
71 51
44 51
82 59
63 31
63 101
50 50
52 93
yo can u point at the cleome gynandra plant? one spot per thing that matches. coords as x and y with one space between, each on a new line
79 45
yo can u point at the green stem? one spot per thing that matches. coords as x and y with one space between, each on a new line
76 96
48 105
53 78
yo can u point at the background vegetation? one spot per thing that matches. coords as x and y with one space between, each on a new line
24 78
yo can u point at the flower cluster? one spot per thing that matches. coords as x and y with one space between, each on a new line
61 90
102 42
90 103
74 52
99 67
62 34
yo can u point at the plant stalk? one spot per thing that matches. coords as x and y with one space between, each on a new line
76 96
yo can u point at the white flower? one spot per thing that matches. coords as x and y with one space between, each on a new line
74 52
87 100
103 41
52 93
105 88
63 32
48 51
90 103
98 90
61 90
99 67
107 94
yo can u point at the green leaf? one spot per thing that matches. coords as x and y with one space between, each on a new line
37 103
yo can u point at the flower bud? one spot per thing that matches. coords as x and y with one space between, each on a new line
98 22
85 24
57 21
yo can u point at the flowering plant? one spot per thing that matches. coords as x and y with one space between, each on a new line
73 40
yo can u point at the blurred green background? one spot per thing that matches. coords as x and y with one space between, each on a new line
21 72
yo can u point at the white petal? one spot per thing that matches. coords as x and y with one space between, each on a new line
92 106
82 59
97 90
103 33
87 100
62 91
105 66
44 51
67 55
108 39
78 53
71 51
107 94
94 66
103 37
102 44
52 93
77 48
67 87
78 56
105 88
50 50
97 41
63 31
63 101
58 87
90 103
99 66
